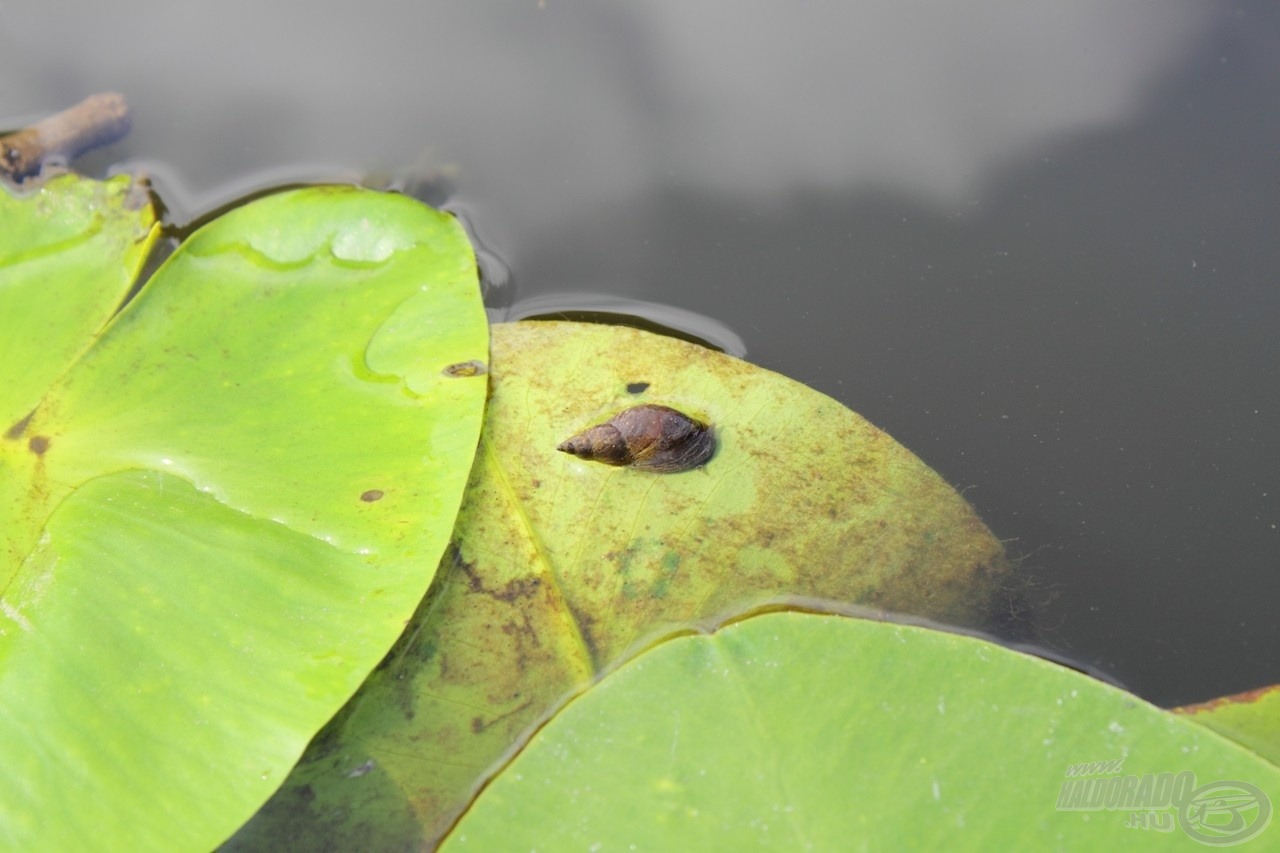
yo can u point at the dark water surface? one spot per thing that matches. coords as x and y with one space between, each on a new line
1036 244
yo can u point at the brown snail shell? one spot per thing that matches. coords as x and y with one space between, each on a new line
649 437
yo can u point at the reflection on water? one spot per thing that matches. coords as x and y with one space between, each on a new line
602 307
572 105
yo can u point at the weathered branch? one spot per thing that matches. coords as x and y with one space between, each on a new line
94 122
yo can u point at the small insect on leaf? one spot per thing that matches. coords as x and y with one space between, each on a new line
649 438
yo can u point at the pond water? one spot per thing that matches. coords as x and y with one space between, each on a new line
1036 244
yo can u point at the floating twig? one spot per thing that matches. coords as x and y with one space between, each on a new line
94 122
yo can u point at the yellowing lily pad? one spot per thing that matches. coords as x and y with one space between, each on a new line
1251 719
218 518
562 568
794 731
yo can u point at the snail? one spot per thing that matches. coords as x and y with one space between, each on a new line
650 438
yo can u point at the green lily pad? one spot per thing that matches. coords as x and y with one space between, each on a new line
561 568
1251 719
220 518
798 731
69 253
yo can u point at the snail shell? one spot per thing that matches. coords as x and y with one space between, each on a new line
650 438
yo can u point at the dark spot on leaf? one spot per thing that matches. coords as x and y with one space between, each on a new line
478 724
466 368
372 495
474 583
20 427
38 444
637 387
587 625
509 592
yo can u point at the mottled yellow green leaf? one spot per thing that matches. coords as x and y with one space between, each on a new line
562 568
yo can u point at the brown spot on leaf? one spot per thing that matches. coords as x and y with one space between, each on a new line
511 591
587 628
466 368
637 387
478 724
372 495
38 444
19 427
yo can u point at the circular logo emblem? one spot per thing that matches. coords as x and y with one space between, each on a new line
1222 814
